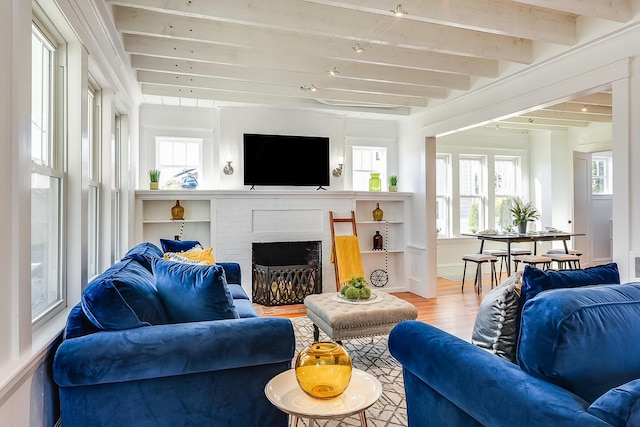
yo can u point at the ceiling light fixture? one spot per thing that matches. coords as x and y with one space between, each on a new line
585 108
334 71
399 11
312 88
358 48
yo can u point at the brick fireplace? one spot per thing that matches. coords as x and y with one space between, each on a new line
285 272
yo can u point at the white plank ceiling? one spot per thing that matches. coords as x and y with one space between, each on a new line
353 55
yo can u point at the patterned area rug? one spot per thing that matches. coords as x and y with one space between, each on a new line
370 355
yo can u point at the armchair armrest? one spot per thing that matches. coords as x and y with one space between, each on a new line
232 272
490 389
175 349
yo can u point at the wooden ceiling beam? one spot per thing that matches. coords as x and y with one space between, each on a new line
497 17
146 22
613 10
309 18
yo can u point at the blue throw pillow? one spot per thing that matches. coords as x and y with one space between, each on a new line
535 280
193 293
123 297
144 254
179 245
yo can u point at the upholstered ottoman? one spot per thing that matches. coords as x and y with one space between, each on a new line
341 319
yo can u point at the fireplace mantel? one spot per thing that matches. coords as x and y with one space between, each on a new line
230 221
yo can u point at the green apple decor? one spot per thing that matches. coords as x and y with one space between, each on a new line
356 288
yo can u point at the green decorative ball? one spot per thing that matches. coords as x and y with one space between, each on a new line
351 293
365 293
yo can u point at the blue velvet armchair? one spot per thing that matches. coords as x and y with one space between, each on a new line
577 364
163 372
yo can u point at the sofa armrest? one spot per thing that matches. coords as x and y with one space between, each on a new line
175 349
490 389
231 272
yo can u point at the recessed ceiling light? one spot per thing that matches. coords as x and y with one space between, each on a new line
399 11
358 48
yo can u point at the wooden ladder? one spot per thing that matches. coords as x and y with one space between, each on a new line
332 221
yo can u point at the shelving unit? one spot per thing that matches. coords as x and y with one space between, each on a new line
391 227
156 221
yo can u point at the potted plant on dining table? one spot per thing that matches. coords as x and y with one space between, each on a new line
523 212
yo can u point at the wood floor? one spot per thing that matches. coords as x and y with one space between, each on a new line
453 311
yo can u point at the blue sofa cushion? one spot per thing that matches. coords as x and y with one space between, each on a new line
144 254
123 297
535 280
496 325
620 406
78 324
582 339
193 293
169 245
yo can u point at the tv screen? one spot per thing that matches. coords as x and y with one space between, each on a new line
286 160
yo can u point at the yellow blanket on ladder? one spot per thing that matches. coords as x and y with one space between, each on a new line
348 257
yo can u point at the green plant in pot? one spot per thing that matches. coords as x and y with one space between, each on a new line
523 212
356 288
154 178
393 183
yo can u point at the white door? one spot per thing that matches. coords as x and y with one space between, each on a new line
582 205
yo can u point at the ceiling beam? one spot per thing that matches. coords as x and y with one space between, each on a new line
232 97
147 22
613 10
301 17
224 85
496 17
278 77
565 115
245 57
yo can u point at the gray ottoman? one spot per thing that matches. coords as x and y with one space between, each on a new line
341 319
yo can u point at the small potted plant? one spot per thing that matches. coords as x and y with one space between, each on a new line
523 212
154 178
393 183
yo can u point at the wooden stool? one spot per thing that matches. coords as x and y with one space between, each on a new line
501 254
479 259
564 260
532 260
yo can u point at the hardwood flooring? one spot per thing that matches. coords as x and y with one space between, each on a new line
452 311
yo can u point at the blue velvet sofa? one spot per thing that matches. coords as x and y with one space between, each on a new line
578 363
129 357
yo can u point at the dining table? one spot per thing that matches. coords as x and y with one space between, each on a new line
533 237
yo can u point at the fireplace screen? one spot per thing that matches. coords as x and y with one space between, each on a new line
285 272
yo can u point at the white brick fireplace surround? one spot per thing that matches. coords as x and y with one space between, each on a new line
230 221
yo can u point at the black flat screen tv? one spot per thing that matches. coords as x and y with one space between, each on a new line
286 160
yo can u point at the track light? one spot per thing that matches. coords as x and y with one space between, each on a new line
585 108
312 88
399 11
334 71
358 48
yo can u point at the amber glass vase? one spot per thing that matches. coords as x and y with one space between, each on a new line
323 369
177 211
378 213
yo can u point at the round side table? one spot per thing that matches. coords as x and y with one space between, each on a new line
284 392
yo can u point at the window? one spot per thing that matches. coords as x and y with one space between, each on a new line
365 161
443 195
506 187
466 199
179 161
601 179
47 180
472 194
93 203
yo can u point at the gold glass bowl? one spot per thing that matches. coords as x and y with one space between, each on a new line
323 369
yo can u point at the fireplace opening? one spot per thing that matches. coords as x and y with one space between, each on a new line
285 272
